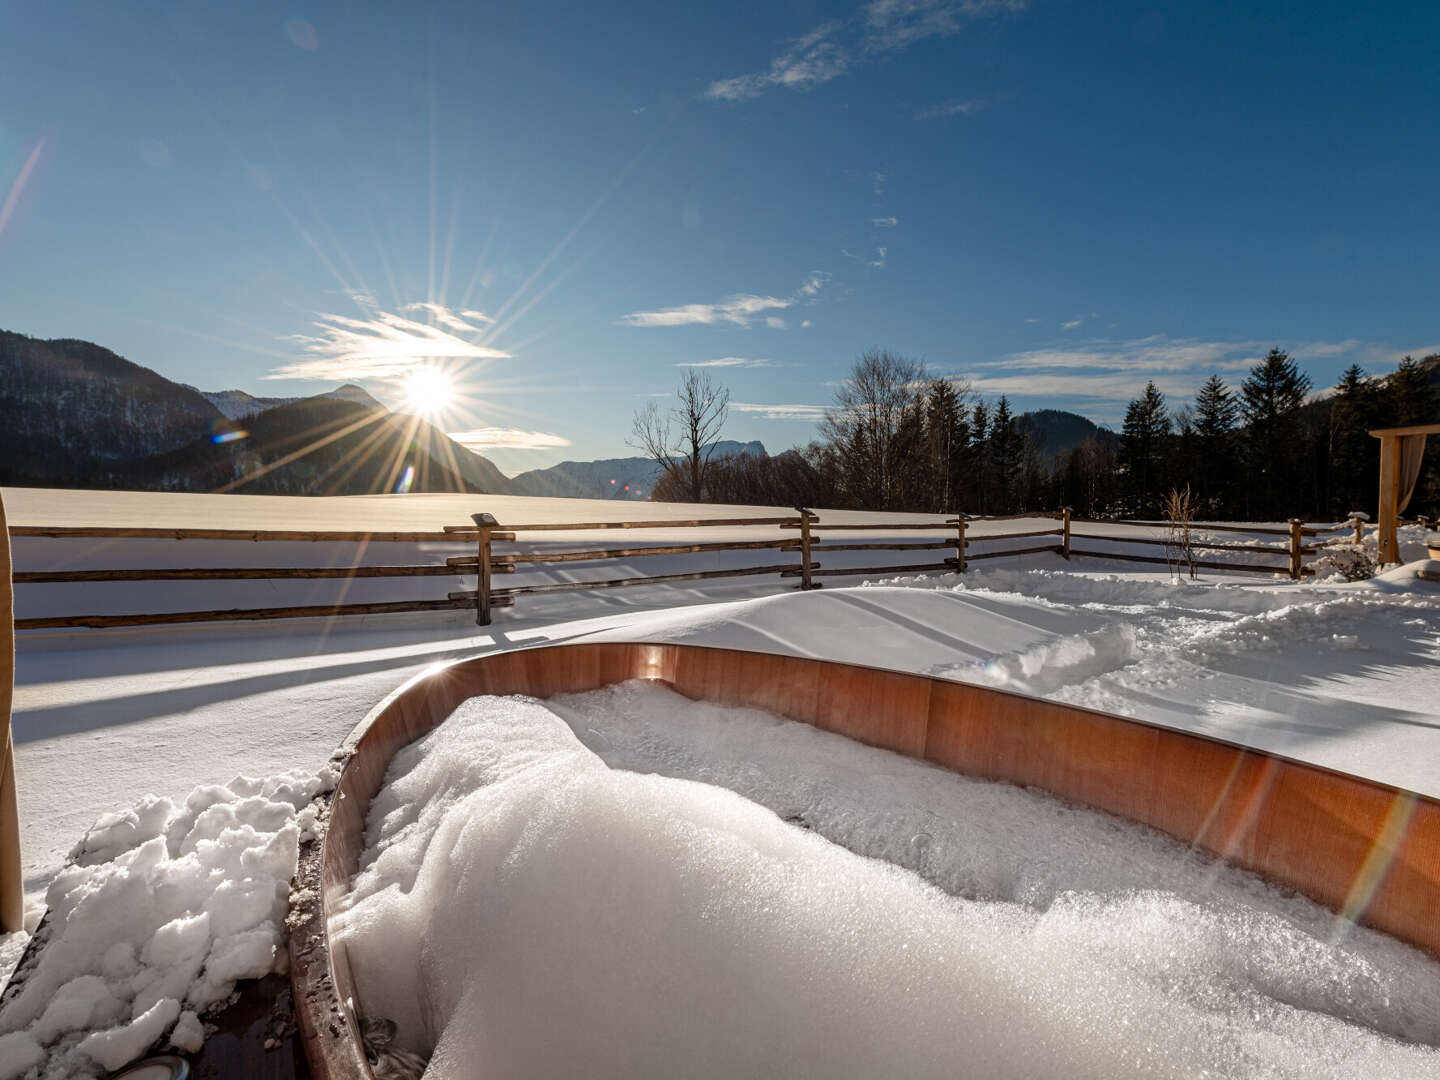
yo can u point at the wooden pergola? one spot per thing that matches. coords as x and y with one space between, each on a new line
1401 450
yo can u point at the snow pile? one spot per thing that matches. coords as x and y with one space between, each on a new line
527 908
160 911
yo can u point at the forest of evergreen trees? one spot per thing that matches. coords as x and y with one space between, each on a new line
898 438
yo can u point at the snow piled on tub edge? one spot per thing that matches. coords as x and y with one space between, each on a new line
161 910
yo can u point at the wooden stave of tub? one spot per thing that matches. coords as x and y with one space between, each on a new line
1356 846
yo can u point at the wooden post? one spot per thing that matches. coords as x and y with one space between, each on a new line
1065 532
12 898
1388 546
482 568
1296 542
960 542
1359 524
805 518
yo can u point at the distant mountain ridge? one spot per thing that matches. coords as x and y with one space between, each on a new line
1057 432
237 404
75 414
629 478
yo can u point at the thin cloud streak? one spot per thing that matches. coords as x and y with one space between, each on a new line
1110 370
1115 387
733 362
798 413
738 309
950 108
501 438
835 47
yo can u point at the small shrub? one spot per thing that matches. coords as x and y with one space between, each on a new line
1350 560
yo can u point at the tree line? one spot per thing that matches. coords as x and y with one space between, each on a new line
899 438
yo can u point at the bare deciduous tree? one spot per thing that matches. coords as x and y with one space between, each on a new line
682 438
865 425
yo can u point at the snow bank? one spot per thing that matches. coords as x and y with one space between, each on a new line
528 907
160 912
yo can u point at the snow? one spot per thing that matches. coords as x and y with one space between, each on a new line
529 906
1343 675
162 908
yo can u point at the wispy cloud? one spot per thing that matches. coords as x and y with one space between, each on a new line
875 29
877 260
504 438
734 362
1110 370
799 413
1072 324
739 309
951 108
809 61
385 345
1105 387
466 322
894 24
884 222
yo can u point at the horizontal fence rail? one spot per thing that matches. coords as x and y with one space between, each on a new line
802 526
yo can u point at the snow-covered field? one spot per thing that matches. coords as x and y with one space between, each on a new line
596 885
1344 675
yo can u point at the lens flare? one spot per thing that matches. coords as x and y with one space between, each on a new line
407 480
230 436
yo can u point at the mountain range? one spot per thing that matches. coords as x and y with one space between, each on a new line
75 414
632 478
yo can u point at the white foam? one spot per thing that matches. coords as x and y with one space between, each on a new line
525 909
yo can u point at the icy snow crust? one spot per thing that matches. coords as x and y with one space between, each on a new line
161 910
632 902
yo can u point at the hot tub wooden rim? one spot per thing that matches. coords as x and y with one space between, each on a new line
1301 825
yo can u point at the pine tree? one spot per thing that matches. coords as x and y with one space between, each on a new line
1352 453
1143 446
1215 416
978 457
1270 401
1005 463
1409 396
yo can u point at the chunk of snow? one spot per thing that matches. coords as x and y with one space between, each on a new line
188 1034
164 908
120 1046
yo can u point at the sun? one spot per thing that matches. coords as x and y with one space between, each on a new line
428 391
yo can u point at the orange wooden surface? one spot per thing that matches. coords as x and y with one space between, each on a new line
1356 846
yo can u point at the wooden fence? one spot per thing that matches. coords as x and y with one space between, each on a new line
804 541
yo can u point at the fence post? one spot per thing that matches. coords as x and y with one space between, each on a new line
1296 541
1065 533
960 541
805 518
482 568
1359 524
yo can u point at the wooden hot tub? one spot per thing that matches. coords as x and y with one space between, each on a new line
1366 850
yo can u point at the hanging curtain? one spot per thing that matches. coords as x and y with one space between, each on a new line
1411 451
12 892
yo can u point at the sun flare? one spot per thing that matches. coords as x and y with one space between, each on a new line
428 391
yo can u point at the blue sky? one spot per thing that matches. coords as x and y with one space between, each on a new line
563 203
